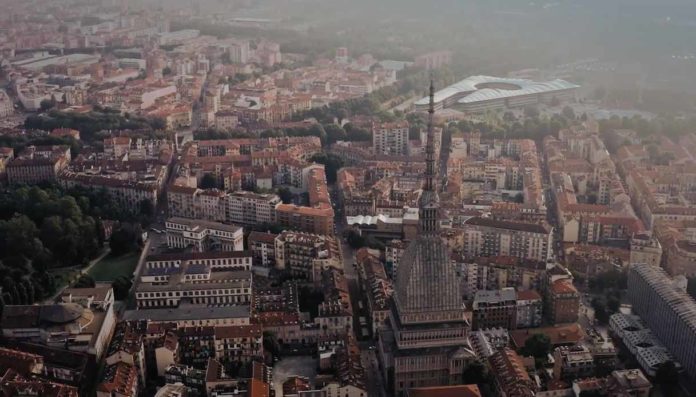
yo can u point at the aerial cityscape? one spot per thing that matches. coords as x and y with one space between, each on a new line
320 198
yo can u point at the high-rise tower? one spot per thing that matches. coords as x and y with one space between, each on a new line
426 344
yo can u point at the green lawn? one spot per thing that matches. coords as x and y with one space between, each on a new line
64 277
112 267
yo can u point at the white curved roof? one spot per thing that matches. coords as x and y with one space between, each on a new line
526 87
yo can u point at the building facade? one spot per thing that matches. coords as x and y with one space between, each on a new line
667 309
390 138
488 237
203 236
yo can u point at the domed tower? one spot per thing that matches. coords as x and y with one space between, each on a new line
427 342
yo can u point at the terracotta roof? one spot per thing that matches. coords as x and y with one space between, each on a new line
528 295
445 391
268 238
567 334
563 286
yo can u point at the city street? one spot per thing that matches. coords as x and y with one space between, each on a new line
374 385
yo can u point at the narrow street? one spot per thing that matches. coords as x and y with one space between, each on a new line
368 355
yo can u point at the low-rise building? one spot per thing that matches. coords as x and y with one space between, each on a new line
119 380
192 315
375 285
439 391
127 346
510 374
572 363
25 367
628 382
203 236
83 327
486 342
171 283
648 351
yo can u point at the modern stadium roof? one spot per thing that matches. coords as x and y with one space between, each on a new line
476 93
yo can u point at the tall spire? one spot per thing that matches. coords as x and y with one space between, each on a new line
429 203
430 145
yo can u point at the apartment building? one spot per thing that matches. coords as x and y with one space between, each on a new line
241 207
492 309
529 309
239 343
490 273
247 208
489 237
305 219
394 250
203 236
390 139
563 302
666 309
37 164
262 247
575 362
645 249
305 254
374 283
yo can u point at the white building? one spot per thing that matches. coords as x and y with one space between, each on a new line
482 93
249 208
203 235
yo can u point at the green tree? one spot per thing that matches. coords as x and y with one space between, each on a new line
46 105
334 133
355 240
531 111
476 374
208 181
85 281
537 346
121 286
667 376
691 287
332 163
125 239
568 113
285 194
601 311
